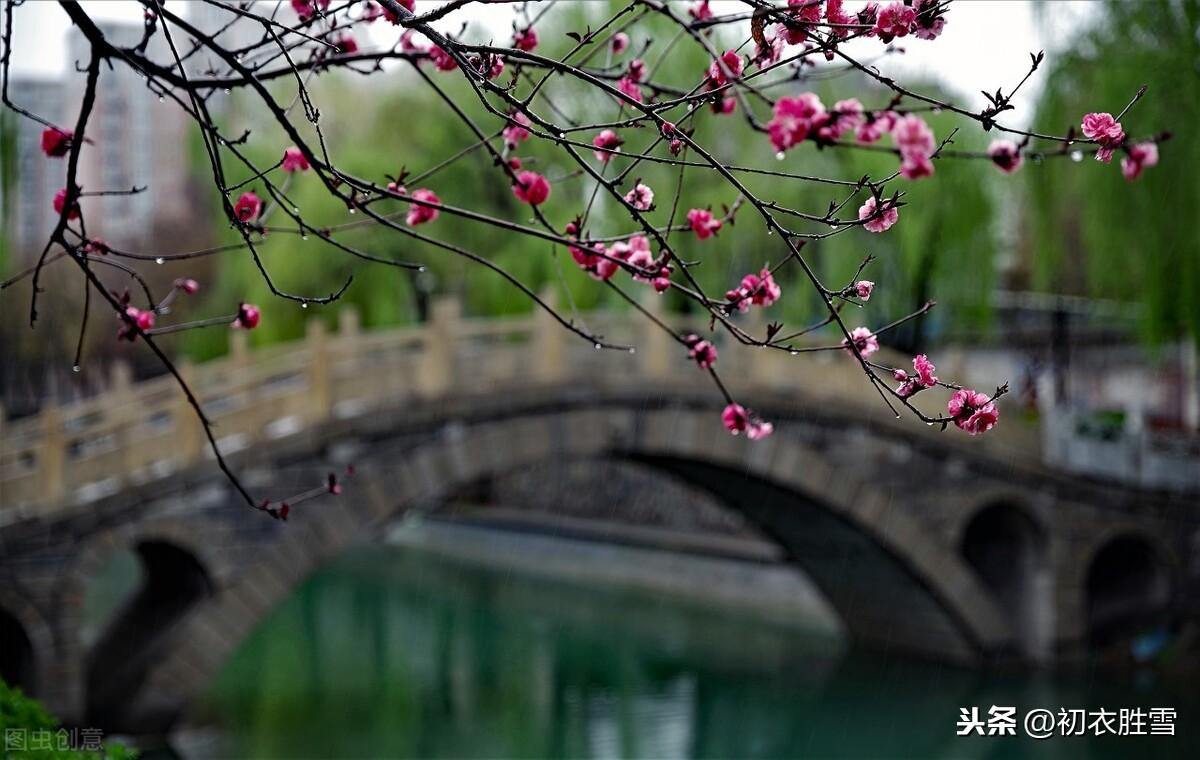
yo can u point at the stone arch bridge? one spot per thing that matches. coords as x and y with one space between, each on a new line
964 549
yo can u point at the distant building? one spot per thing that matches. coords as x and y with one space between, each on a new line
28 210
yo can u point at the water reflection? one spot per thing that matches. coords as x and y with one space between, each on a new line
391 652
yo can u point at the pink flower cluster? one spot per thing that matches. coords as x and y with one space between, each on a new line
531 188
755 289
515 131
701 351
419 214
924 377
737 420
630 84
925 19
56 142
606 142
294 161
881 221
247 208
864 340
973 411
703 223
1006 155
915 140
641 197
1106 131
1140 156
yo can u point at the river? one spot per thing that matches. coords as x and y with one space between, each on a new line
393 651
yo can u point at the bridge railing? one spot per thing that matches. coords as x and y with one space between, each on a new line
136 432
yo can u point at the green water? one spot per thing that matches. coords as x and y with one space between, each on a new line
393 653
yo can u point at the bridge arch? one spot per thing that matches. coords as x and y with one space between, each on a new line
798 479
25 644
175 572
1127 585
1006 545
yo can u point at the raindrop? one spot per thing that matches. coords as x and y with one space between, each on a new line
226 90
598 346
304 237
76 368
420 269
779 156
633 350
161 98
1076 156
352 211
834 223
794 353
159 260
295 209
304 305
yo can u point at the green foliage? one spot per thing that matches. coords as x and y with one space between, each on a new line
26 716
1091 231
395 120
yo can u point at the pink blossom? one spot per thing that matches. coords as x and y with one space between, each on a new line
294 160
759 429
915 140
346 45
894 20
1006 155
1103 128
925 370
701 351
619 43
525 39
248 316
418 214
885 219
867 16
409 5
913 136
629 87
641 197
306 9
703 223
793 118
60 202
728 66
532 188
636 70
594 264
863 289
972 411
800 22
515 132
864 340
770 53
916 167
930 19
442 60
408 45
491 66
723 106
606 142
757 289
735 419
247 208
56 142
187 285
845 116
876 126
701 11
143 318
1141 155
835 14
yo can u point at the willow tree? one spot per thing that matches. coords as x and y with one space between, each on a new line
1089 234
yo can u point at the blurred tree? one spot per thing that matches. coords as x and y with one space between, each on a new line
1089 234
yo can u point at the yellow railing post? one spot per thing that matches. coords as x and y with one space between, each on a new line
319 404
436 374
52 456
189 430
654 345
549 340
